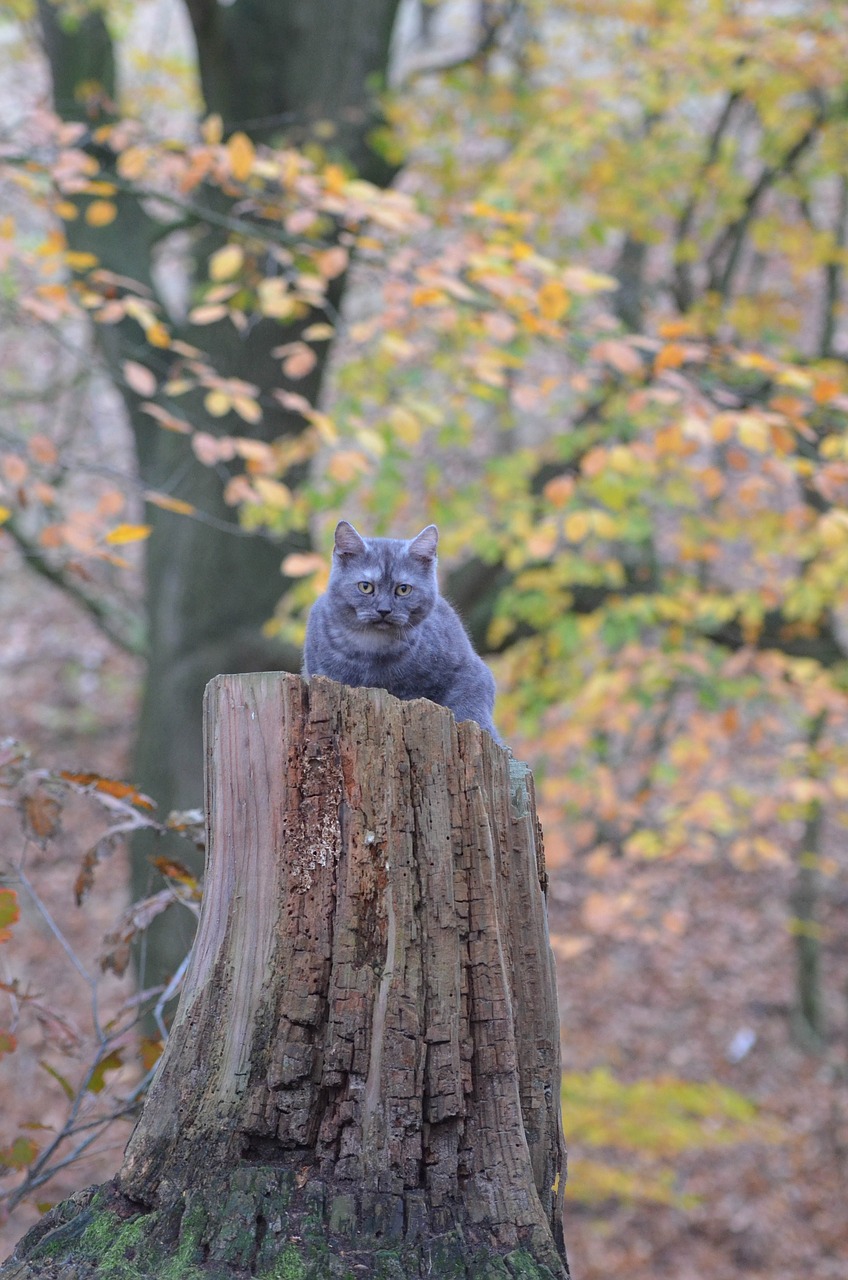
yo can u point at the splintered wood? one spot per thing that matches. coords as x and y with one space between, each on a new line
371 999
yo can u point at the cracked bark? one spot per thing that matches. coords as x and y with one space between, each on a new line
363 1074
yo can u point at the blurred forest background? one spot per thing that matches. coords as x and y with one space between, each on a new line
568 279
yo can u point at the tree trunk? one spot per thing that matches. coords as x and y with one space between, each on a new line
363 1074
276 69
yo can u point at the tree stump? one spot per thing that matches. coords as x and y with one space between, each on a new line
363 1075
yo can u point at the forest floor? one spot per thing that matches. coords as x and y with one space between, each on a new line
666 970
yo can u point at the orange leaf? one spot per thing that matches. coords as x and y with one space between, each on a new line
176 870
332 262
43 451
100 213
671 356
15 469
109 786
825 389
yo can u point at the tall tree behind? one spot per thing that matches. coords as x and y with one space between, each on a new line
271 69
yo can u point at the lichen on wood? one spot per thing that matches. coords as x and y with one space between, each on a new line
362 1079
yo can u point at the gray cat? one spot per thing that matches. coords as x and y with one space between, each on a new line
382 623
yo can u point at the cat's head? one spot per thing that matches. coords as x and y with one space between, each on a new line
383 585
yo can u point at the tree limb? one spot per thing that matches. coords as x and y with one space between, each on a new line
121 627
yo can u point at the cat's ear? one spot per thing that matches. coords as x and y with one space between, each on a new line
348 541
424 546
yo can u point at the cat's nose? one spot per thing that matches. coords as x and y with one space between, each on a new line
384 613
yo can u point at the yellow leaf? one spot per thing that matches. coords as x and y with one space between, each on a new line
5 514
78 260
580 280
212 130
168 503
226 262
66 210
128 533
405 425
323 424
318 332
753 432
217 403
553 300
248 409
132 163
427 296
242 154
576 526
604 524
256 451
100 213
273 492
334 179
157 335
371 441
346 465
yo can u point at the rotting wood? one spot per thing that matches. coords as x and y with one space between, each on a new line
363 1074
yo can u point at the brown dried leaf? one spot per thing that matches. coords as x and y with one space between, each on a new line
41 814
134 921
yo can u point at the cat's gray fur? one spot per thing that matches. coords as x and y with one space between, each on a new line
412 644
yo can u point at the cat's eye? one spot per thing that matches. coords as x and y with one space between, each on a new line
402 589
367 588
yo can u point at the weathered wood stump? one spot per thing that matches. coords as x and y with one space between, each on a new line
363 1075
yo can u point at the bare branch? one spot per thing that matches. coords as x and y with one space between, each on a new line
122 628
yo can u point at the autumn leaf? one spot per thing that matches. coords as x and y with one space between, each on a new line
21 1153
226 262
10 912
273 492
41 812
100 213
173 869
62 1081
97 1079
167 503
139 378
242 156
125 533
553 300
110 787
300 564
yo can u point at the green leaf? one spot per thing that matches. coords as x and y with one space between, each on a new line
68 1088
21 1153
10 911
